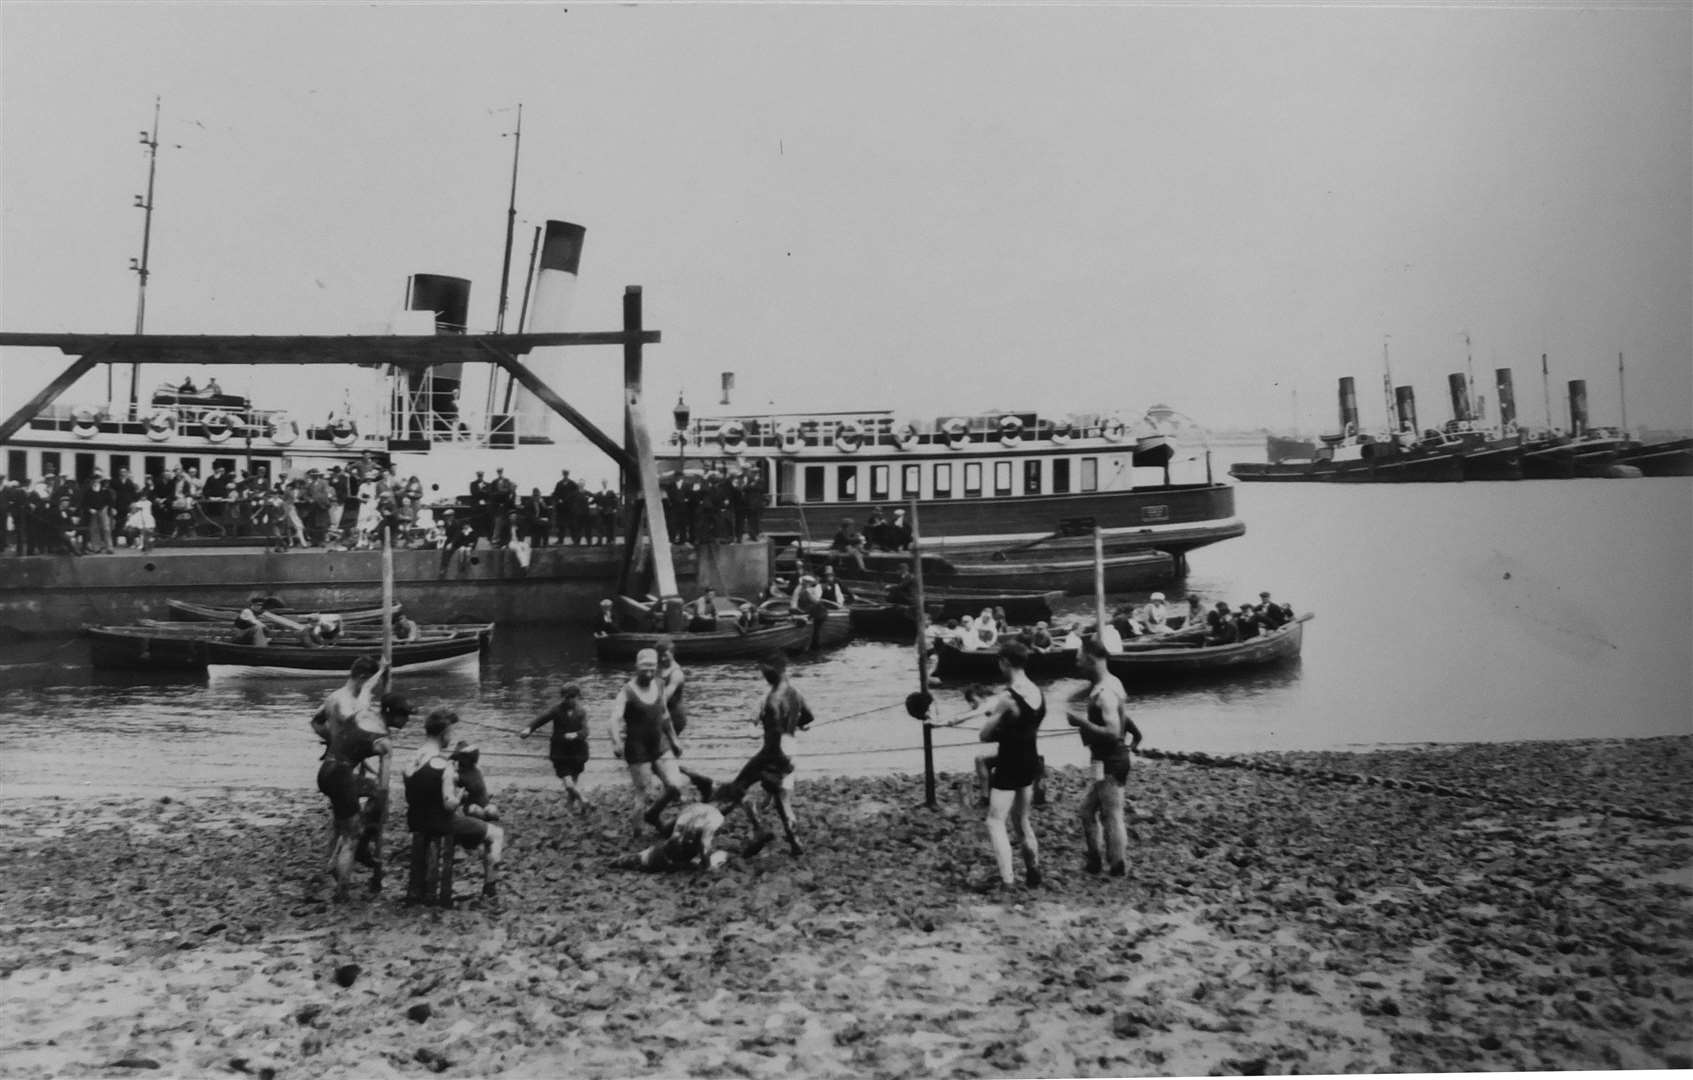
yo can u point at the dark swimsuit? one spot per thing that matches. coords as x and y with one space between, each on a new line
338 776
1109 749
1017 765
643 729
567 755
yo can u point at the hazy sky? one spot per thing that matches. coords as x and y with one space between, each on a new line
929 208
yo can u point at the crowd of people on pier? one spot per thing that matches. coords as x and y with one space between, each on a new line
345 507
681 811
718 504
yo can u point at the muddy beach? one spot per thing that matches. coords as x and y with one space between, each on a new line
1270 924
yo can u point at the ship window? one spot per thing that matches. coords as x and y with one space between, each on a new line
224 463
972 479
1061 476
17 464
911 481
192 463
155 467
1002 477
49 462
119 463
879 482
846 483
1090 474
1031 477
84 466
943 482
814 483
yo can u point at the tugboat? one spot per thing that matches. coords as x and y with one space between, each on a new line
1358 457
1486 453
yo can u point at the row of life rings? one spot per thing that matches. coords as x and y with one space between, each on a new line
219 425
849 436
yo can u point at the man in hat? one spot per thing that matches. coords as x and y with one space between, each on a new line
340 489
1157 614
848 541
641 734
808 601
1270 613
249 622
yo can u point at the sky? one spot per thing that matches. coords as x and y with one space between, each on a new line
925 208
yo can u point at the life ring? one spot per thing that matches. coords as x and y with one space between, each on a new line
85 422
848 437
283 429
732 437
1350 430
218 425
1112 429
161 425
905 436
1010 430
788 438
343 432
1062 430
957 433
1510 427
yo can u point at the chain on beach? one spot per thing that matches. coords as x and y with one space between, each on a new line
1222 761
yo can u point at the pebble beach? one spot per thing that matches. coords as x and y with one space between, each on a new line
1269 924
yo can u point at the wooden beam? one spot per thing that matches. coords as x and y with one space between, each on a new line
664 566
631 373
50 393
534 385
370 350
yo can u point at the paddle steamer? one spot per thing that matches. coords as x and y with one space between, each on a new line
984 485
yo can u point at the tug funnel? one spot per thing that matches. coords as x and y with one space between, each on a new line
555 293
449 299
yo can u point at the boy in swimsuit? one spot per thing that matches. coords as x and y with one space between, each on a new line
783 715
353 731
671 675
569 748
435 805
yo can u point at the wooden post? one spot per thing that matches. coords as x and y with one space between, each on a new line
1098 583
920 616
388 600
632 385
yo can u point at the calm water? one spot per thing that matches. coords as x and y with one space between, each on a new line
1445 613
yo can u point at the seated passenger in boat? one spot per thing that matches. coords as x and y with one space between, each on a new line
832 590
1157 614
188 386
1195 612
848 541
702 613
985 631
249 623
1040 638
898 533
1246 617
747 619
405 629
900 592
1270 613
607 622
325 630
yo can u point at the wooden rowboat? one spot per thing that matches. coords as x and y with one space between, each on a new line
188 611
176 647
728 644
1142 660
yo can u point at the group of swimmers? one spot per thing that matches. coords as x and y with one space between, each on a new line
446 795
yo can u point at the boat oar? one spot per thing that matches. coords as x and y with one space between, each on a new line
388 602
1067 527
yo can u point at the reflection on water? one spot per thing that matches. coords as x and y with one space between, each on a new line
1445 613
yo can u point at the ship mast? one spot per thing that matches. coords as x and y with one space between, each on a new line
1546 389
505 264
1476 410
151 142
1622 395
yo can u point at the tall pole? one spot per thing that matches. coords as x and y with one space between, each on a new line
151 142
528 279
1469 377
1098 583
1546 389
1387 390
511 223
919 616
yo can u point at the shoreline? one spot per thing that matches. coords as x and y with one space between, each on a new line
1269 924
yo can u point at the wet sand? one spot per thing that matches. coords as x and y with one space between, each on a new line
1269 924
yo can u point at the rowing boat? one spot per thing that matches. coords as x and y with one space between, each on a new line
722 644
183 647
1142 660
188 611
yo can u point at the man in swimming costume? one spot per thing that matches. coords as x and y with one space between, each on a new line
1103 728
690 839
783 715
1012 719
436 805
671 675
353 731
642 736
